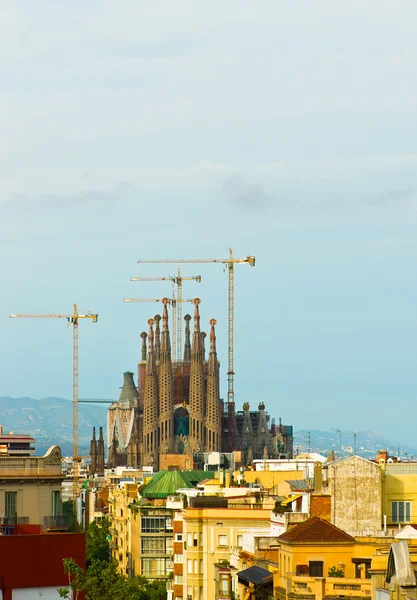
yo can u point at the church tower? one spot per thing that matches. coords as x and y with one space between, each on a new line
197 386
212 420
166 387
150 406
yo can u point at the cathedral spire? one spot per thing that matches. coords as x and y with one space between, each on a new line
187 344
212 420
197 433
100 454
157 319
197 346
93 453
203 335
151 350
166 384
143 335
150 405
165 341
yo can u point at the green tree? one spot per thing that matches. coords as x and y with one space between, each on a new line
68 511
76 579
97 543
102 581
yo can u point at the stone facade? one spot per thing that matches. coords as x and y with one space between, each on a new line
355 486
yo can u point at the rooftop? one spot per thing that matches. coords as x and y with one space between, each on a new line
316 530
166 483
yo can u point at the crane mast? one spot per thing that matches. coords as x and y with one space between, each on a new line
230 263
73 320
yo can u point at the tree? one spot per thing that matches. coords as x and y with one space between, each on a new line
97 542
68 511
102 581
76 579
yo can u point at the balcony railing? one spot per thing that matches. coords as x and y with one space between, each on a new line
56 522
329 585
15 520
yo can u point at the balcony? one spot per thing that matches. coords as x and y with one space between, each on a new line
328 586
15 521
56 523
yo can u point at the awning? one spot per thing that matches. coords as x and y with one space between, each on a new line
291 499
255 575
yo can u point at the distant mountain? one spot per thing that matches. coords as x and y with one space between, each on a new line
49 421
367 443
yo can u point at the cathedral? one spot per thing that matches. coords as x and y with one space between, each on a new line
176 408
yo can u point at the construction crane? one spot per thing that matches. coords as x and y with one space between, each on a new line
72 320
176 307
230 264
176 310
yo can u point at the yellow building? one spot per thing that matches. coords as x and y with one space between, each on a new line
211 531
120 526
321 560
399 493
269 479
30 490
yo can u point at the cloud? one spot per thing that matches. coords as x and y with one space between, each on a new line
245 194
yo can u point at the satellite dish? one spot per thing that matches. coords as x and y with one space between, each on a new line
349 449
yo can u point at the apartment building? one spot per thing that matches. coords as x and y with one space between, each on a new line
30 491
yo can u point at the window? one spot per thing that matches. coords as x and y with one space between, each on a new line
178 558
153 545
10 504
190 540
301 570
222 540
154 566
401 512
195 540
153 525
239 541
178 537
195 566
315 568
201 538
189 566
201 592
201 565
178 579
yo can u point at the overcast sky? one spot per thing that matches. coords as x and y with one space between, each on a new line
157 129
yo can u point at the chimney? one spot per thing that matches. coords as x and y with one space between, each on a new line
318 476
382 455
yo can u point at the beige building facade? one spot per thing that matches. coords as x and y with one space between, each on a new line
30 490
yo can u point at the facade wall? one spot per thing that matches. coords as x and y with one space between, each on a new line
355 486
210 535
400 485
34 480
152 542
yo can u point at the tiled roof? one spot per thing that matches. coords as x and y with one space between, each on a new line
166 483
256 575
316 530
299 484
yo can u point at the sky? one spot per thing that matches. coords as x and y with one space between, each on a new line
285 129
